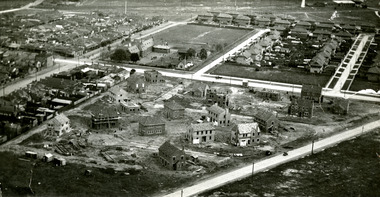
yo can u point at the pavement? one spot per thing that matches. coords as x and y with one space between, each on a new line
266 164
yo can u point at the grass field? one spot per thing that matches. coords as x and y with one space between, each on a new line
283 76
11 4
338 171
198 35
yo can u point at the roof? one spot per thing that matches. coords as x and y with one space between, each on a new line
60 119
279 21
299 30
242 17
199 86
303 102
215 109
304 23
223 15
134 78
202 126
133 49
246 127
374 70
206 14
263 115
146 44
311 88
151 120
170 149
105 112
263 19
117 90
173 105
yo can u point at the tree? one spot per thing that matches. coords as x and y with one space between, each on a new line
191 52
219 47
132 71
135 57
203 54
120 55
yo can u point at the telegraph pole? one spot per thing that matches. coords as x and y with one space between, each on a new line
312 147
125 7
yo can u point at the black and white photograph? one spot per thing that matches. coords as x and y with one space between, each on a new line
189 98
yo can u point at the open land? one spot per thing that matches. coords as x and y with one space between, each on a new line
338 171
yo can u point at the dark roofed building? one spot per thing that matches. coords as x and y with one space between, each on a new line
150 125
199 89
104 118
224 19
312 92
301 108
173 110
219 115
136 84
171 157
205 17
153 76
267 121
241 20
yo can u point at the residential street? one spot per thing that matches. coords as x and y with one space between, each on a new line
271 162
23 7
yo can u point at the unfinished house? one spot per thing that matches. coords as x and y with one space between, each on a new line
312 92
150 125
153 76
219 115
201 133
171 157
245 134
59 125
222 99
267 121
173 110
105 118
301 108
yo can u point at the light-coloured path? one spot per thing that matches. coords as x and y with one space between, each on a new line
223 179
23 7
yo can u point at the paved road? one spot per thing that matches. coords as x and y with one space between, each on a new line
272 162
23 7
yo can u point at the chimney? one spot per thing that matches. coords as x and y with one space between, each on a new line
303 4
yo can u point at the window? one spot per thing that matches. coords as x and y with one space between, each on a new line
173 158
258 139
206 132
201 132
211 132
182 157
197 132
210 137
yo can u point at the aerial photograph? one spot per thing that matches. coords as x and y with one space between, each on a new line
183 98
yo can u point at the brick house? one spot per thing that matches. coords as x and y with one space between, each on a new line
199 90
301 108
312 92
59 125
219 115
241 20
222 99
118 94
173 110
44 60
150 125
205 17
269 95
136 84
201 133
245 134
224 19
104 118
153 76
267 121
171 157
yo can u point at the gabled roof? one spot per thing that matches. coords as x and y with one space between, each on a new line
303 23
170 149
374 70
146 44
215 109
133 49
199 86
299 30
117 90
202 127
60 119
105 112
303 102
242 17
246 127
263 114
135 78
263 19
282 22
223 15
151 120
207 14
173 105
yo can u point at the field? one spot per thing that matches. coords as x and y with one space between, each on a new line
11 4
338 171
198 35
283 76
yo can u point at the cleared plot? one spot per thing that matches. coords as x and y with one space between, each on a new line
283 76
198 35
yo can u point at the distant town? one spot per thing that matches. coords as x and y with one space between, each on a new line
169 96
